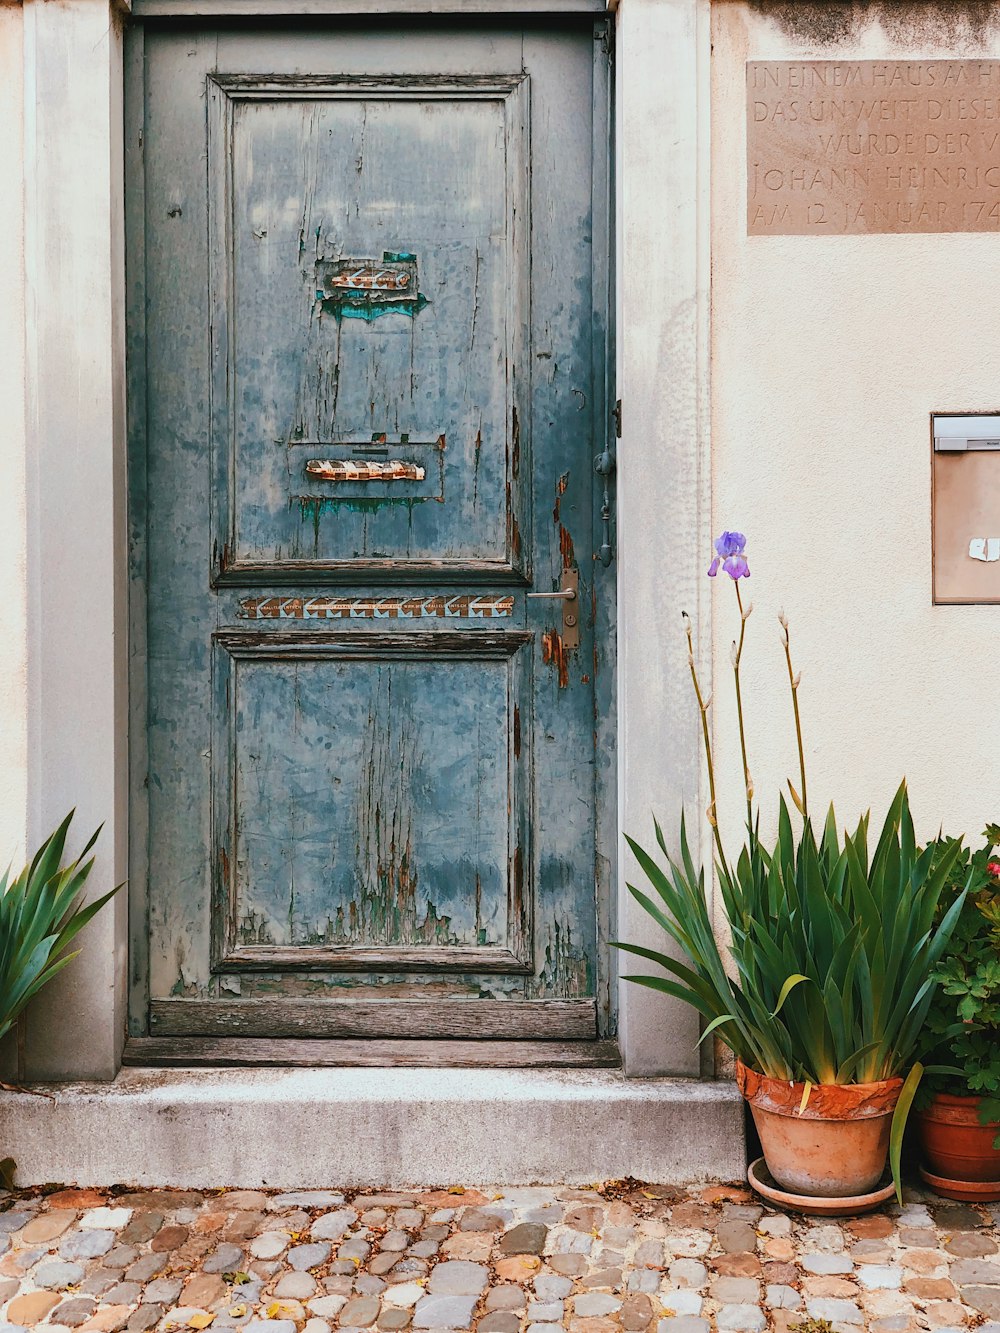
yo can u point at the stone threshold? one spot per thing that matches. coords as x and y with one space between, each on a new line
364 1127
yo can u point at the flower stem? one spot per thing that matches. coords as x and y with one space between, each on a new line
747 785
706 735
793 682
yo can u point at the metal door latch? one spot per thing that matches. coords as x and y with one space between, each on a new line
569 587
604 466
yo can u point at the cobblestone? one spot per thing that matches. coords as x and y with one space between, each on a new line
622 1259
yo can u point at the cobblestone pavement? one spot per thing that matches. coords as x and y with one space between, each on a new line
622 1256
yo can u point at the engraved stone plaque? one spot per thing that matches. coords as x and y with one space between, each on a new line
840 148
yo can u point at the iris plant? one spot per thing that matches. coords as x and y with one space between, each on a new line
833 948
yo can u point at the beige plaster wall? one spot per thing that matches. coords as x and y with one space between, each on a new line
828 356
13 618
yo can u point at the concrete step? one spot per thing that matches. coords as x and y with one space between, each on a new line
299 1128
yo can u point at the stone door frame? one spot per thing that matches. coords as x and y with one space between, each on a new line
75 589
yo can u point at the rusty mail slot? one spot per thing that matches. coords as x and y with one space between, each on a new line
367 288
349 469
370 276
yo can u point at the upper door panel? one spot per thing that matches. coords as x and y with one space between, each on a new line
370 314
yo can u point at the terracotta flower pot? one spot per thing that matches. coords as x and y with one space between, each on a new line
955 1144
836 1147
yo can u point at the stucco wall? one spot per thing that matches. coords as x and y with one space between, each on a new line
13 651
829 354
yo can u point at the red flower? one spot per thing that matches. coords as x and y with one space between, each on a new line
993 868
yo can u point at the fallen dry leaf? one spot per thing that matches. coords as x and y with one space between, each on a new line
279 1310
200 1320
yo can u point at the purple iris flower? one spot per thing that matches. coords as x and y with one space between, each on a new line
729 550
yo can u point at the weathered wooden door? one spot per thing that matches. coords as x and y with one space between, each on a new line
369 291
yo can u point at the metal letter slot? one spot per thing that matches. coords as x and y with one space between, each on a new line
347 469
567 594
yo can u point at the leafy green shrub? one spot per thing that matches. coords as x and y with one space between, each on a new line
834 952
40 915
963 1022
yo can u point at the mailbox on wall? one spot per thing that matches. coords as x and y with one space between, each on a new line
965 508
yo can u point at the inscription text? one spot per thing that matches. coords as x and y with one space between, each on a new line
844 147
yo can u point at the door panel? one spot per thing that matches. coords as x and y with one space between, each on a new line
373 783
319 184
374 353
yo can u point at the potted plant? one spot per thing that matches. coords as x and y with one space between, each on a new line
833 949
959 1115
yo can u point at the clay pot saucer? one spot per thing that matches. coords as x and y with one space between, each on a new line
812 1204
968 1191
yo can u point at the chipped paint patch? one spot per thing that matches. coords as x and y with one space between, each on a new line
367 288
463 606
554 654
566 548
561 485
565 972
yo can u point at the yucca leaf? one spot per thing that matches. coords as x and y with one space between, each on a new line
786 990
716 1023
805 1097
898 1127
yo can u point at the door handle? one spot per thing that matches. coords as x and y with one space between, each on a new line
569 586
564 594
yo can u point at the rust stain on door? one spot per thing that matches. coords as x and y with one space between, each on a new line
554 654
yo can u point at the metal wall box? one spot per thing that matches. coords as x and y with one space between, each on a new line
965 508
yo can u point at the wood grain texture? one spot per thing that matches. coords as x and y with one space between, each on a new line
393 958
482 1020
232 1051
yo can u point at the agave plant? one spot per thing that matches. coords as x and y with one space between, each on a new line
834 950
40 915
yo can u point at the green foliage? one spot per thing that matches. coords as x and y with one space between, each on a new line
834 951
963 1022
40 915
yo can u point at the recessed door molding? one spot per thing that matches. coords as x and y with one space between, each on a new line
187 9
